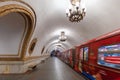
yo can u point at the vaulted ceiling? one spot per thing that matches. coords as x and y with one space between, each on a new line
102 16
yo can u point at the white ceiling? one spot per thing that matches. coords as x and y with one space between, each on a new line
102 16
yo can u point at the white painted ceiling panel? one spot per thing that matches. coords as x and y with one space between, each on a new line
102 16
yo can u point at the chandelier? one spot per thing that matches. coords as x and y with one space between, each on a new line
62 37
77 11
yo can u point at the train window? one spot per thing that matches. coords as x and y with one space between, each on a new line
85 52
109 56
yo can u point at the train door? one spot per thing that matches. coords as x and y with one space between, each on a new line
80 60
69 57
92 58
73 58
76 59
85 63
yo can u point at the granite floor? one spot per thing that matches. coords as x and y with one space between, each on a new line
51 69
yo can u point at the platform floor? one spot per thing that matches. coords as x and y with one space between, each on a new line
51 69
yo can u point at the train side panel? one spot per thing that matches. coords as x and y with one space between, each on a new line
101 59
97 59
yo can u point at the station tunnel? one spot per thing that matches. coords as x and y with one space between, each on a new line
59 40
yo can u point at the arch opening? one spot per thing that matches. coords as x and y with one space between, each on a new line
24 33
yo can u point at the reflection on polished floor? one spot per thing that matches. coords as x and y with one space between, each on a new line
51 69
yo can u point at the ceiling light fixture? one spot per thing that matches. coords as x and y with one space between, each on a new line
62 37
77 11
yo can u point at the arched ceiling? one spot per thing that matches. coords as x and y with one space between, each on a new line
102 16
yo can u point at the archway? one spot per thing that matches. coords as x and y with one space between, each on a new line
19 34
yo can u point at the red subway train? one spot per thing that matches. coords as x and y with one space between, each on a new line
97 59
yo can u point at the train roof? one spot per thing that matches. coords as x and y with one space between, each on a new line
113 33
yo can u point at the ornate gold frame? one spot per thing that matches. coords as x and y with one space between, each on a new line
42 49
30 18
32 46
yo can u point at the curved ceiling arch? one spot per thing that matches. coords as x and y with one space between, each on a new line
54 47
101 18
67 44
97 21
29 16
72 37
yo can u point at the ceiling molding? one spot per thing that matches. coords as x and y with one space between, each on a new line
30 18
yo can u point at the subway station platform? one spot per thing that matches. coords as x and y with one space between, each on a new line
51 69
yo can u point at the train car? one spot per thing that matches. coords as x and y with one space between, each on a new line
66 54
68 57
62 56
99 59
71 55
